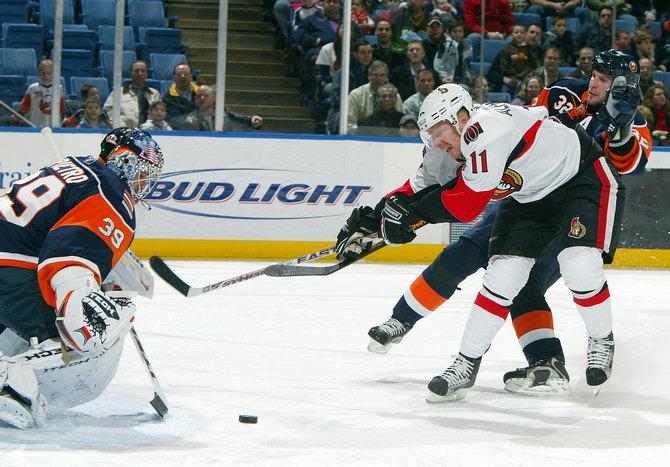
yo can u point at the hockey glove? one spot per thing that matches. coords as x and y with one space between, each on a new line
619 111
399 219
352 241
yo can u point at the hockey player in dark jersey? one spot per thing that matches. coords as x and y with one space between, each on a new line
627 143
62 230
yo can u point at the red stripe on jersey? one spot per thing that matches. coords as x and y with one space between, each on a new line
45 274
597 299
527 141
15 263
463 202
492 307
406 188
66 300
604 204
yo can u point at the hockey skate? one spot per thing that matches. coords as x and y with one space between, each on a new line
545 377
453 383
599 359
383 337
21 404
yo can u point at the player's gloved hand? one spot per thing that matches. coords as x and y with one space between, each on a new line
399 219
92 321
352 241
619 110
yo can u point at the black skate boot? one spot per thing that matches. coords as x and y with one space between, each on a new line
453 383
599 359
383 337
545 377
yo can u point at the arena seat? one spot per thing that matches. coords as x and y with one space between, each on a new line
23 36
162 65
159 40
76 82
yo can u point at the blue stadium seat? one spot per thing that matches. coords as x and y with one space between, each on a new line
655 28
627 25
566 70
474 67
371 39
14 11
106 37
153 83
492 48
95 13
165 86
146 14
159 40
662 76
107 64
526 18
47 13
12 88
34 78
18 62
573 24
76 62
76 82
24 36
79 38
162 65
499 97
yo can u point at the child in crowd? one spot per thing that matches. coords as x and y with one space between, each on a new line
447 12
156 120
91 117
360 15
36 103
564 40
516 60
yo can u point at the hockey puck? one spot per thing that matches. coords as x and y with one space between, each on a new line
248 419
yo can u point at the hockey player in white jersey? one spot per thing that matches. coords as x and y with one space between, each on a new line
556 181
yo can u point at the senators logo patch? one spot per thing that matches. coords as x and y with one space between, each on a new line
472 132
511 182
577 229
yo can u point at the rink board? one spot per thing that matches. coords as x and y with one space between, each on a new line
267 196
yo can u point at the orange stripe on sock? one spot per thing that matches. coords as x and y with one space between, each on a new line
527 322
424 294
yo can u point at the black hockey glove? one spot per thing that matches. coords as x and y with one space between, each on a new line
352 241
618 112
399 219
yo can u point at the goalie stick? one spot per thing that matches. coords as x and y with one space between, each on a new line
159 402
161 268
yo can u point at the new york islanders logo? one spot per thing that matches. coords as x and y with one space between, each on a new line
577 229
511 182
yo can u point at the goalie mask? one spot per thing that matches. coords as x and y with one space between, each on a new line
442 105
615 63
137 160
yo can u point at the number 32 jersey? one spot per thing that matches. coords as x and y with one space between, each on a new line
74 212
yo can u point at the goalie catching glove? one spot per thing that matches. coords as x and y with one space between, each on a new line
399 220
87 319
618 112
354 239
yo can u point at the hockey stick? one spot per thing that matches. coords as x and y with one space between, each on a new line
168 275
289 270
159 402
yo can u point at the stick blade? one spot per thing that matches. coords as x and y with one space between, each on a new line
159 405
165 273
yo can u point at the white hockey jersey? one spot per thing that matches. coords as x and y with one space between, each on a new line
507 151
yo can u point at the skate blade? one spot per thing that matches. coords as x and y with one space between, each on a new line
457 395
524 387
376 347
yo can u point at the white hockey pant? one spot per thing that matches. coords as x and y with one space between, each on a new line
583 273
505 277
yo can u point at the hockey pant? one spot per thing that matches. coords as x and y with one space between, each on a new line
531 315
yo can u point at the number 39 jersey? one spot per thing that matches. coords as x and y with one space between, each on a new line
74 212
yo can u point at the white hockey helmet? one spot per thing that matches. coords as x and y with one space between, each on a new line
442 105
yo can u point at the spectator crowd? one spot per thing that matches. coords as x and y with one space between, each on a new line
400 51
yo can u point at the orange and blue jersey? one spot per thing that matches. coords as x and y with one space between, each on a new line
76 212
565 100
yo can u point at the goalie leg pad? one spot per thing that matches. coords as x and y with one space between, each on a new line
21 403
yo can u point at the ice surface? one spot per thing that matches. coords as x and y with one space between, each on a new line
293 352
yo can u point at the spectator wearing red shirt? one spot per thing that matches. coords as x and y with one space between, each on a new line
498 22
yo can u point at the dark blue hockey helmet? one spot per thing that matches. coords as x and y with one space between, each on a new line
615 63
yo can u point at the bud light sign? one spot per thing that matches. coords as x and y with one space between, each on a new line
238 193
